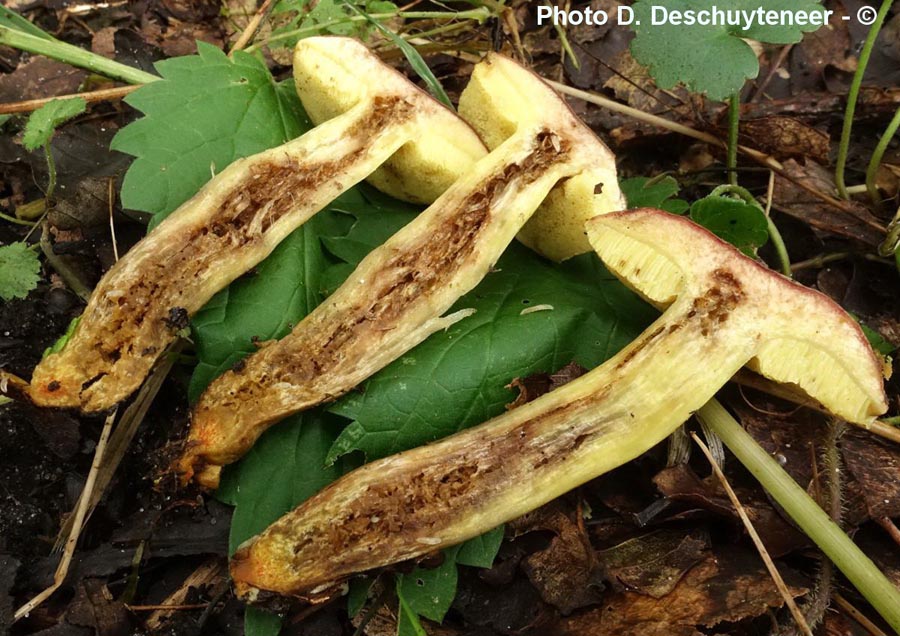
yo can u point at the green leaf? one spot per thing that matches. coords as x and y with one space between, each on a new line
358 594
457 378
641 192
63 339
19 270
13 20
711 59
429 593
207 111
741 224
480 551
42 123
876 340
408 621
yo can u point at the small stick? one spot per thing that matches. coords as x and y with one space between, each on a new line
168 608
63 569
102 95
782 55
112 228
858 616
770 565
890 528
251 28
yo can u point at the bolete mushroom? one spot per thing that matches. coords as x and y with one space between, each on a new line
395 297
723 310
239 217
496 105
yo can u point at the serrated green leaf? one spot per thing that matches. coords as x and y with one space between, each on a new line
741 224
207 111
641 192
709 58
20 270
42 123
456 378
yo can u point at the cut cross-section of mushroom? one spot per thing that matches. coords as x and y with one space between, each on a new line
496 105
395 297
723 311
239 217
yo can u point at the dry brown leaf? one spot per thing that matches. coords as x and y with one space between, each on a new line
786 137
724 587
875 465
679 483
654 563
852 220
567 574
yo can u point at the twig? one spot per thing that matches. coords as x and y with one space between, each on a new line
734 124
111 195
858 616
64 271
106 94
212 572
169 608
63 569
251 28
74 55
889 527
853 95
818 526
760 157
128 425
770 565
782 55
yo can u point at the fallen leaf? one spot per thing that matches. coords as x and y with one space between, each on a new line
567 574
724 587
786 137
875 465
851 219
95 607
654 563
681 484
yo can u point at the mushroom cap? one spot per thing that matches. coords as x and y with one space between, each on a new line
504 97
803 337
333 74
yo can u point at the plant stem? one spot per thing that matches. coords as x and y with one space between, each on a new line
13 219
75 56
780 248
51 172
479 15
734 120
852 97
837 546
877 155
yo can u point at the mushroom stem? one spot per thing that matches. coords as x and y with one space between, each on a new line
806 513
720 316
439 495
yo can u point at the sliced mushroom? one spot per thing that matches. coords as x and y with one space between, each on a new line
395 297
723 311
239 217
497 106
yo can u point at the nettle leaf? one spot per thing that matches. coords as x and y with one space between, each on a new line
642 192
20 270
42 123
742 224
457 378
711 59
324 17
207 111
